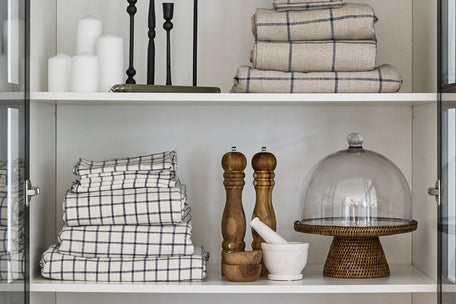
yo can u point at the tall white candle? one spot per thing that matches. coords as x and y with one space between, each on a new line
59 73
84 73
89 29
110 53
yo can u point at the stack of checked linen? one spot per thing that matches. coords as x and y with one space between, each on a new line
315 46
126 220
12 222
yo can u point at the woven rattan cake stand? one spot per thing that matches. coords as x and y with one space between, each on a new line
356 252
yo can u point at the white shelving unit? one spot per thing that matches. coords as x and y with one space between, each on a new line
403 279
396 99
299 129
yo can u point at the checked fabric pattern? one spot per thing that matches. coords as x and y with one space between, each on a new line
12 266
384 79
142 206
125 180
310 56
159 161
348 22
281 7
126 241
57 266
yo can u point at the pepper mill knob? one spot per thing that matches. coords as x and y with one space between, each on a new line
264 161
234 161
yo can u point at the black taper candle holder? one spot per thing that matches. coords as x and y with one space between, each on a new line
131 10
168 12
151 48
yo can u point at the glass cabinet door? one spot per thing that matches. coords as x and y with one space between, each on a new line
13 152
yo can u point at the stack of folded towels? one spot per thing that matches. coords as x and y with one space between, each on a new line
12 223
126 220
315 46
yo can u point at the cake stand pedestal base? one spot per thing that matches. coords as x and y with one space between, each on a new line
356 258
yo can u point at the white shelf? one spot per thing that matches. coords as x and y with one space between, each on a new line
15 286
403 279
396 99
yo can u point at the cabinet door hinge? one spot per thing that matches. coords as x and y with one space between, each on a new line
435 191
30 191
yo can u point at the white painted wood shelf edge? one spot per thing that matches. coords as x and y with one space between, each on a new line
403 279
396 99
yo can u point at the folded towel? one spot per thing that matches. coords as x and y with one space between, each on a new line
282 7
310 56
301 1
125 180
158 161
384 79
142 206
349 22
126 241
57 266
17 208
12 240
12 266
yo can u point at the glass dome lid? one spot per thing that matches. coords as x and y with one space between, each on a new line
355 188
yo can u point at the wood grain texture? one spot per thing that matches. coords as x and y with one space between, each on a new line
264 164
243 257
242 273
233 219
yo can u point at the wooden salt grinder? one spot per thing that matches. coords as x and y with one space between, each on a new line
233 219
264 164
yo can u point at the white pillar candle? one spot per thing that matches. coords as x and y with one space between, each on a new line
89 29
59 73
110 53
84 73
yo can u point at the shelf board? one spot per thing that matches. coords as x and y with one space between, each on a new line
403 279
396 99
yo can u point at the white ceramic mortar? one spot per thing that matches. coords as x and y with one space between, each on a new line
285 262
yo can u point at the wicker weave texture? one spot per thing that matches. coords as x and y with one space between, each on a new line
356 258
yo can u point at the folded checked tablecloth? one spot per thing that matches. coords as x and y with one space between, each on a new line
125 180
282 7
159 161
12 239
123 241
12 266
17 208
384 79
311 56
57 266
349 22
141 206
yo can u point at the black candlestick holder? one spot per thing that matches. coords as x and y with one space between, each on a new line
151 48
168 12
131 10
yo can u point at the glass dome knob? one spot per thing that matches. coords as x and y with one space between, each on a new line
355 140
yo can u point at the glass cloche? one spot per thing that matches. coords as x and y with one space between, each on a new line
356 195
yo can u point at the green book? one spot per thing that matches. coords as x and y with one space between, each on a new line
149 88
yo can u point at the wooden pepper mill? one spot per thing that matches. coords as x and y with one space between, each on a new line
264 164
233 219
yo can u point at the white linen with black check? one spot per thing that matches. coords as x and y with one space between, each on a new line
143 206
12 266
159 161
125 180
57 266
282 7
126 241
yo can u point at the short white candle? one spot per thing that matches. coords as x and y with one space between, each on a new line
89 29
84 73
110 53
59 73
